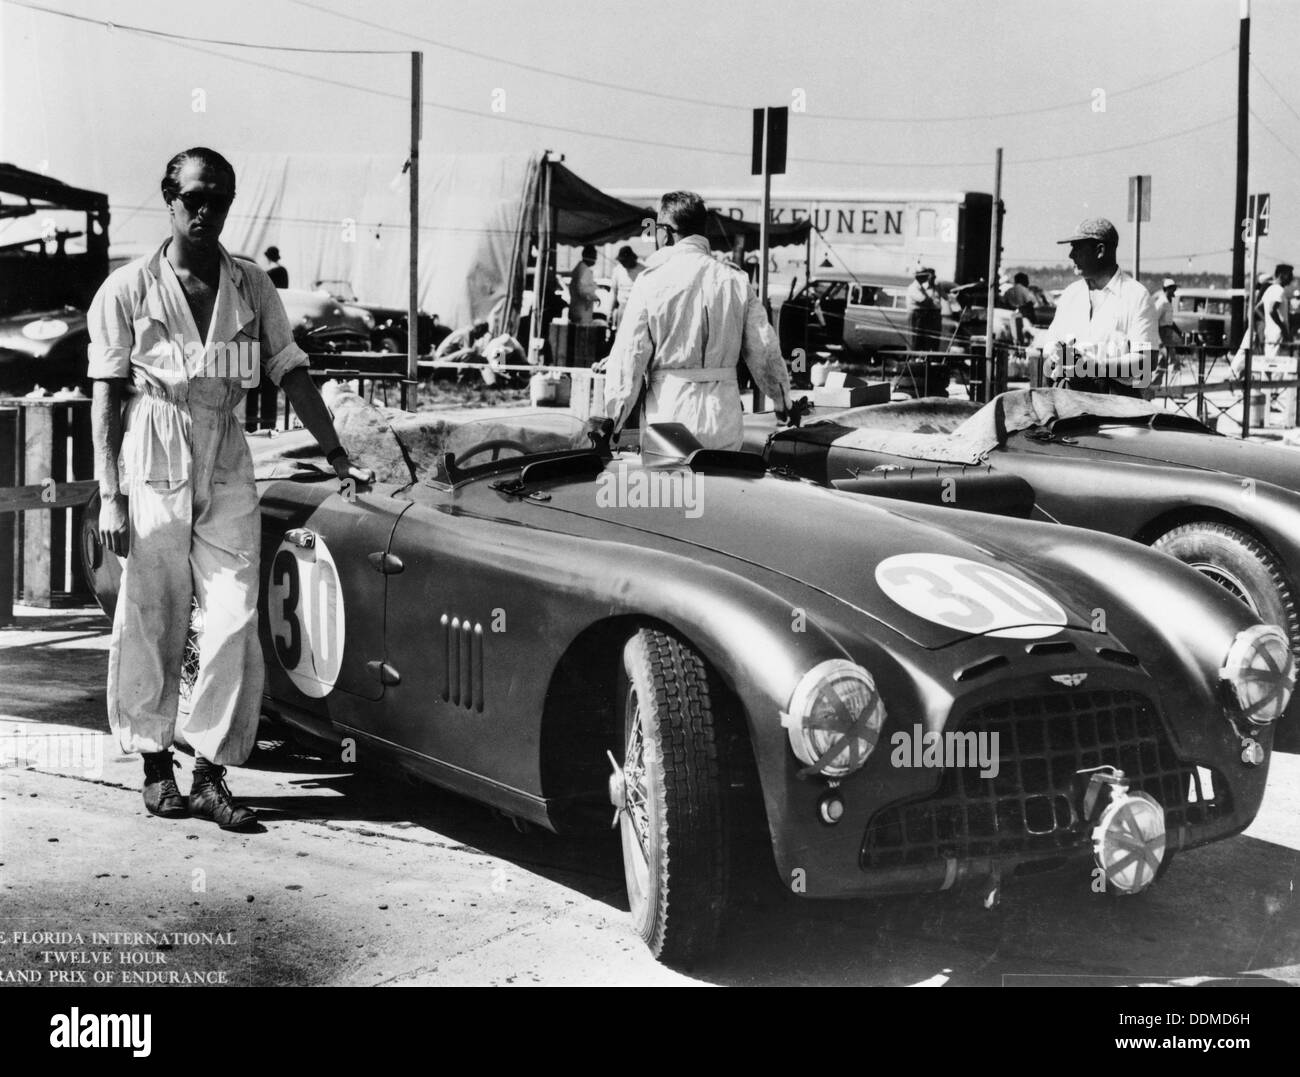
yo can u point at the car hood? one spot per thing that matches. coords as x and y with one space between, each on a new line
828 541
320 306
36 332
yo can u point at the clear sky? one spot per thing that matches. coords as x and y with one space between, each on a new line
656 93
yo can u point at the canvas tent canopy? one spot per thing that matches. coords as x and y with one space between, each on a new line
345 218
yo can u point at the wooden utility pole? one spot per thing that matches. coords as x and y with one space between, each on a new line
413 293
991 380
1243 156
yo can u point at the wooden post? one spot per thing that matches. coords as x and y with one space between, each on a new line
765 218
991 379
43 533
1249 338
8 523
413 294
82 467
1243 162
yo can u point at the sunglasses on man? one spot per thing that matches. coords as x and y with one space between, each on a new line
193 201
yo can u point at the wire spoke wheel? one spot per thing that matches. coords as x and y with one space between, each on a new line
190 660
671 815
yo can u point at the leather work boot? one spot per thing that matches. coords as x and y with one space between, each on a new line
210 799
161 796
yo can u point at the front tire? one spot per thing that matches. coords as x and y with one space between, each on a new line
672 815
1240 564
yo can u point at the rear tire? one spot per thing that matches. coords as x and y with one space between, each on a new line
672 821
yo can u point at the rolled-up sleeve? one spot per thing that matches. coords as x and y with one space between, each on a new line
631 355
762 354
280 352
112 331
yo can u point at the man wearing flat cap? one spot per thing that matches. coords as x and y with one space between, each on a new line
924 313
1103 338
1170 335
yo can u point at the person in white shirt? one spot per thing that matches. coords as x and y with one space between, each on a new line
1103 338
625 274
179 336
924 311
583 292
1170 335
1276 309
689 321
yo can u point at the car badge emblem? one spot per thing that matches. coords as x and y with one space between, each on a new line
1070 680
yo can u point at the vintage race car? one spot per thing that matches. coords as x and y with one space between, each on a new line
896 696
1229 508
45 349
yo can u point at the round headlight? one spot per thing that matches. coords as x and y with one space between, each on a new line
835 718
1261 671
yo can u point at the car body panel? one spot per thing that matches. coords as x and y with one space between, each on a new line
494 612
1133 479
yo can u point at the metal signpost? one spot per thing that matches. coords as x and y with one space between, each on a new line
768 159
1139 210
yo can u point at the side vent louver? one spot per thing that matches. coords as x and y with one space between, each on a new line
462 671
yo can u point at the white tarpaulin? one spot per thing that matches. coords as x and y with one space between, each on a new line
338 217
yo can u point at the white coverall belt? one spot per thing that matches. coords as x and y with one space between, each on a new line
183 404
701 374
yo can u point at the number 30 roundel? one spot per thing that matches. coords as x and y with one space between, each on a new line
304 606
969 596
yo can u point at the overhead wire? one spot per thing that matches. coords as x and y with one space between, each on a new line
144 31
183 41
681 99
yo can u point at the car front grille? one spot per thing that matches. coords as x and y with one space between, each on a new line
1033 807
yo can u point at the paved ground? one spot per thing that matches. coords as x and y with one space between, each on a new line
360 881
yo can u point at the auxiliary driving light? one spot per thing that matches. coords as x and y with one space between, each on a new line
1261 670
834 719
1128 842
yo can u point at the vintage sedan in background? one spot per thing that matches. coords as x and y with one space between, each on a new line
389 333
856 319
1229 508
322 324
705 652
